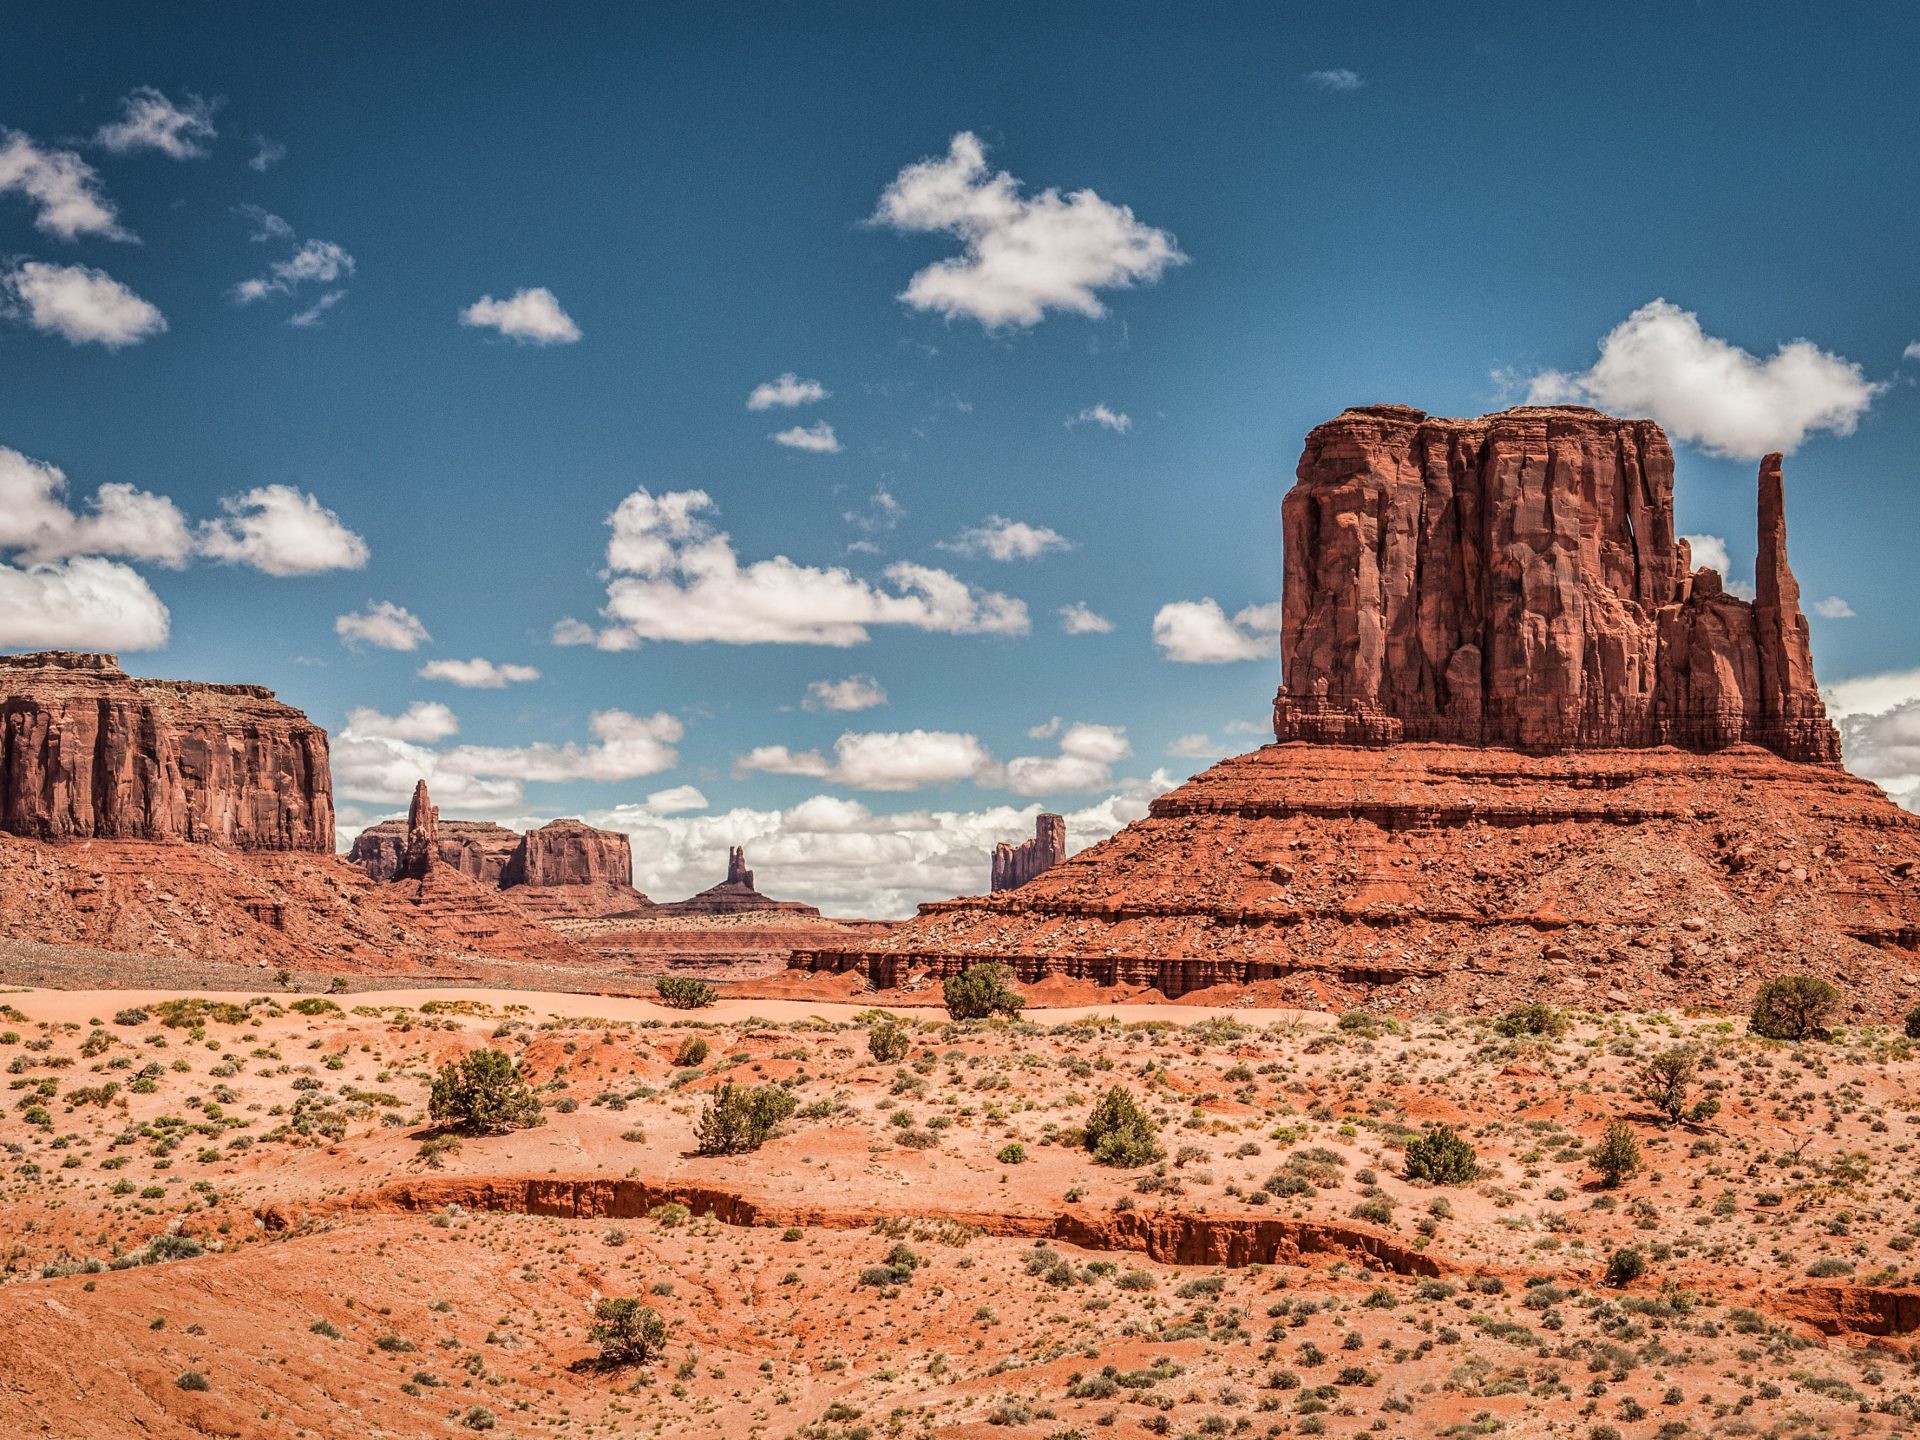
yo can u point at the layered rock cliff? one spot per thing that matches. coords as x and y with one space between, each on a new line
1515 580
88 752
1015 865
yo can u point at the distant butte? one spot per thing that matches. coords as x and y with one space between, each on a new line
734 895
1015 865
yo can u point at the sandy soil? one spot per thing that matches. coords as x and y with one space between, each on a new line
887 1265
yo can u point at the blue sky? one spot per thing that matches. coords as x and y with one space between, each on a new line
667 207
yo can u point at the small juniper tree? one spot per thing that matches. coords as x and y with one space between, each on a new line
482 1092
1442 1157
628 1332
1913 1023
979 991
739 1119
1531 1019
1617 1155
1793 1007
683 993
887 1042
1120 1133
1666 1080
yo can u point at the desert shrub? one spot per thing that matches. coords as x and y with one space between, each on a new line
194 1010
1442 1157
337 985
1625 1266
482 1092
1531 1019
134 1015
684 994
693 1051
1120 1133
314 1005
738 1119
1913 1023
1012 1153
627 1332
1362 1023
1616 1155
1793 1007
192 1380
979 991
326 1329
1666 1079
887 1042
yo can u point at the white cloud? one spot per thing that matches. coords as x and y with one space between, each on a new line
1199 632
1115 420
79 304
914 759
999 538
423 720
1709 551
882 513
312 315
1024 255
150 121
1078 619
478 674
837 854
676 800
63 189
1195 747
383 625
1879 721
38 526
313 262
85 603
1087 756
1659 362
817 438
266 154
1912 352
678 579
1833 608
1870 694
1340 81
786 392
856 692
282 531
376 765
531 316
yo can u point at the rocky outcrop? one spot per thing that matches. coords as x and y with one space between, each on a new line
565 867
1015 865
88 752
1515 580
734 895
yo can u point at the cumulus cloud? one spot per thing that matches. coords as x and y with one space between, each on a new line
63 189
786 392
1833 608
1023 255
676 800
532 317
1879 721
150 121
1115 420
1709 551
377 765
1340 81
478 674
915 759
85 603
676 578
313 262
856 692
817 438
1078 619
38 526
998 538
282 531
1659 362
424 720
383 625
1198 632
79 304
1195 747
838 854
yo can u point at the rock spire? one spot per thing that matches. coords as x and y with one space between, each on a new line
1015 865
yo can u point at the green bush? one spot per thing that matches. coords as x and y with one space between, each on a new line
1531 1019
1442 1157
1616 1155
1012 1153
482 1092
887 1042
192 1380
1793 1007
739 1119
684 994
1913 1023
627 1332
134 1015
1625 1266
1665 1080
1120 1133
1363 1023
692 1051
314 1005
980 991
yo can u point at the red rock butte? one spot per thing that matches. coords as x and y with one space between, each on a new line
1524 751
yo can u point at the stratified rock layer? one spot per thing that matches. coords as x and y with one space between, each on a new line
1015 865
88 752
1515 580
1434 876
565 867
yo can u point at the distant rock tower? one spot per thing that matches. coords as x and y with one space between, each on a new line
423 835
737 872
1015 865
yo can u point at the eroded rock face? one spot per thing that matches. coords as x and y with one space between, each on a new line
1515 580
88 752
734 895
1015 865
570 852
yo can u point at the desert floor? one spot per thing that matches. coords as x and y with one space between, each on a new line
925 1248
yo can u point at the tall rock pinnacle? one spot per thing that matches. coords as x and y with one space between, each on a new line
423 835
